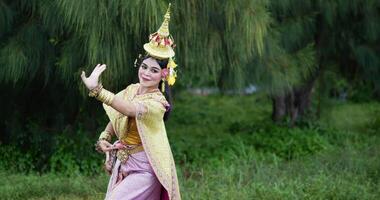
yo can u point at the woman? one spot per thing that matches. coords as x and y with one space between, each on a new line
144 168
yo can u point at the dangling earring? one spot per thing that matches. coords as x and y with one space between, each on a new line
163 85
137 61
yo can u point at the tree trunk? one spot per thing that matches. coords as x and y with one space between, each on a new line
278 108
303 94
292 108
295 103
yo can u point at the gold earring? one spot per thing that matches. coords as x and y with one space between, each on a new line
136 63
163 85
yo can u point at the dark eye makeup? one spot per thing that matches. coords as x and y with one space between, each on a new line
144 66
152 69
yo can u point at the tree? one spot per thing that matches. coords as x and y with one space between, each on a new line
44 45
288 69
315 37
284 46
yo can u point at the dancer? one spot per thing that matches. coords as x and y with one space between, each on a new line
140 162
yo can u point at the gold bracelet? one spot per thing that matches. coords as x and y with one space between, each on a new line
95 92
97 147
105 135
105 96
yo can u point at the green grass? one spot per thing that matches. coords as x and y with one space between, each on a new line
353 117
346 173
225 148
49 186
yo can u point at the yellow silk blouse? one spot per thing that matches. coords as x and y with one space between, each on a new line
132 136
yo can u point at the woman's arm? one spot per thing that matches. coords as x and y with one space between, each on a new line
121 105
126 107
109 128
105 138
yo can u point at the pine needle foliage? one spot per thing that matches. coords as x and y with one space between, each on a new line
229 44
210 36
289 55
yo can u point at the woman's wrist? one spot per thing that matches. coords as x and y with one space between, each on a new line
97 147
95 91
105 135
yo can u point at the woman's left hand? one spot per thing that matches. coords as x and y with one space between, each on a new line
93 80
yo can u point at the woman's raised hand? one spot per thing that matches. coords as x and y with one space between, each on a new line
93 80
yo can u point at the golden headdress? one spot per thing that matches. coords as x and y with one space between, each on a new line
161 46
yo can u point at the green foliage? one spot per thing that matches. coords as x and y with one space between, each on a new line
78 35
224 149
343 173
289 53
6 18
13 160
277 45
225 146
353 117
33 148
287 143
350 39
74 156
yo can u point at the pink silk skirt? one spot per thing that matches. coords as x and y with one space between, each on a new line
134 179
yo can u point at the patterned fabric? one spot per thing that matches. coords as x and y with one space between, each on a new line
152 132
134 179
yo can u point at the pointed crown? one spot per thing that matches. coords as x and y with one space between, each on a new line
161 46
161 43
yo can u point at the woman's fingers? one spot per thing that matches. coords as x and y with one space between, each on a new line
83 75
102 68
92 80
106 146
98 70
107 149
106 143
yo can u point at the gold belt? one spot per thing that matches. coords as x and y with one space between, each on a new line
123 154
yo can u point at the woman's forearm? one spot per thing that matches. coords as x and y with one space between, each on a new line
124 107
109 128
107 133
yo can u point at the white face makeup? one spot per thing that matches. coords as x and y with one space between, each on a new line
149 73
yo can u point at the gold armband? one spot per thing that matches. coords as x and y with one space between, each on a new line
102 94
105 135
105 96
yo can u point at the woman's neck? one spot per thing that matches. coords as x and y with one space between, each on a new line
144 90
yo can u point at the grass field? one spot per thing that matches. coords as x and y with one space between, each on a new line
226 148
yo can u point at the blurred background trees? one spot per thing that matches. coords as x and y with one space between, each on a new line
297 52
